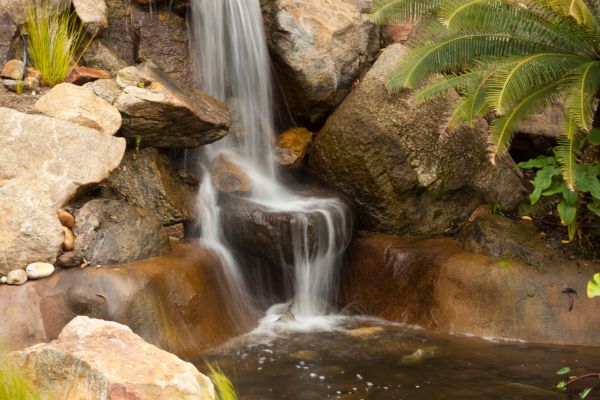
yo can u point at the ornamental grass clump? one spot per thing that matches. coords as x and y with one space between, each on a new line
56 39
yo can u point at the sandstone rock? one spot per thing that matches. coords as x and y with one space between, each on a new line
291 147
319 49
17 8
39 270
66 218
107 89
397 33
30 84
164 115
173 301
99 55
81 106
386 153
3 279
434 284
501 237
13 69
147 180
113 232
16 277
70 259
548 123
109 359
228 176
69 239
82 75
8 31
93 14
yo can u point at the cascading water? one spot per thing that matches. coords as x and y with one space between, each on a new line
232 64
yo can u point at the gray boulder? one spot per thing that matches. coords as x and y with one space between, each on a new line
388 155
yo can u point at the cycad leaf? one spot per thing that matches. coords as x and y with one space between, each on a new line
567 152
395 11
586 83
441 87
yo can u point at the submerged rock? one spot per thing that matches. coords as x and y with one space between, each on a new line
113 232
162 114
101 359
386 153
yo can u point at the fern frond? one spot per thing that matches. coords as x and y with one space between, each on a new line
396 11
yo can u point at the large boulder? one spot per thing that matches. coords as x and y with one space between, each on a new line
174 302
97 359
112 232
320 48
80 105
434 284
387 153
147 179
93 14
164 115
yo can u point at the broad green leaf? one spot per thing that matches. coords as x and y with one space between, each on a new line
570 196
593 289
594 136
584 393
563 370
587 179
542 181
567 213
538 162
558 185
594 207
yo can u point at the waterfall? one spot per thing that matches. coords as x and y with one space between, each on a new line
231 62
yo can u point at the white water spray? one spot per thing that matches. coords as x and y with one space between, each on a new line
232 64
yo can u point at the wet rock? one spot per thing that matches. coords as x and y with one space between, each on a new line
16 277
109 358
70 259
39 270
147 180
501 237
113 232
82 75
319 48
93 14
107 89
419 356
291 147
386 153
174 302
163 115
66 218
13 69
227 176
99 55
81 106
433 283
69 239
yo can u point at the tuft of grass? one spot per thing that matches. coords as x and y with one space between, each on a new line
13 385
56 39
223 385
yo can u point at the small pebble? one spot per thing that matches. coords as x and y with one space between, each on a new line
16 277
3 279
39 270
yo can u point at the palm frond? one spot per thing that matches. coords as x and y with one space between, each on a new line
396 11
585 87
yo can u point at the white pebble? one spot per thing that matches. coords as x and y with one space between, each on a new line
359 377
3 279
38 270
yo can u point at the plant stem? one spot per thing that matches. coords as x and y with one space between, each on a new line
584 376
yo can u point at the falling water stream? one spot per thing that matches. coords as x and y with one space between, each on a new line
232 64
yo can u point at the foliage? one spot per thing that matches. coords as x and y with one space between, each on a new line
13 386
550 182
593 289
223 385
56 39
564 385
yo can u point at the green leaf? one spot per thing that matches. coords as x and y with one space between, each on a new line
593 288
567 213
538 162
563 370
587 179
594 207
562 386
542 181
584 393
558 185
594 136
505 264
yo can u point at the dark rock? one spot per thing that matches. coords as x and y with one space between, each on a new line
386 153
70 259
113 232
434 284
8 31
501 237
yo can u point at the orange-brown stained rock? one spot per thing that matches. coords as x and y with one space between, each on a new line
433 283
291 147
82 75
229 177
173 301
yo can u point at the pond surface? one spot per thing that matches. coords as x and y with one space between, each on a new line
368 359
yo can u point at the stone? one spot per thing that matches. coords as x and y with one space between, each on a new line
387 154
93 14
16 277
148 180
81 106
107 89
164 115
3 279
501 237
8 31
99 55
109 358
173 301
319 49
547 123
114 232
39 270
69 241
292 146
70 259
397 33
30 84
82 75
13 69
433 283
228 176
66 218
